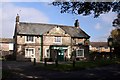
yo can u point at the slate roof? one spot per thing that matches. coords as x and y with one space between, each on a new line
40 29
99 44
6 40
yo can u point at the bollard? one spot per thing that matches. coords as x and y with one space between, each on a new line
73 63
56 62
65 58
73 59
45 62
34 61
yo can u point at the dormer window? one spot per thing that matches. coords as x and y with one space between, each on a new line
58 40
30 39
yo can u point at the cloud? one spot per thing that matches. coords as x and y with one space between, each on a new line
1 20
105 25
103 37
52 0
27 14
26 0
98 26
108 18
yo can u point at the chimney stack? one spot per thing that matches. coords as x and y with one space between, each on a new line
76 24
17 18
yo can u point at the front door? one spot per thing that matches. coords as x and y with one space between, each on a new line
58 52
60 55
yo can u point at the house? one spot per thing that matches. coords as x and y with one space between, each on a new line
39 41
99 47
6 46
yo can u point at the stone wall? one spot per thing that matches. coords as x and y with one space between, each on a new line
22 45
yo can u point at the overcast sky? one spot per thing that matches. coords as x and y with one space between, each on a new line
41 12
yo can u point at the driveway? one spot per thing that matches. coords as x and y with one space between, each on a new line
23 70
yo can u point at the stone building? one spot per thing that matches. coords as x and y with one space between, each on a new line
99 47
6 46
38 40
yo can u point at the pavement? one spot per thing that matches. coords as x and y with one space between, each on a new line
26 70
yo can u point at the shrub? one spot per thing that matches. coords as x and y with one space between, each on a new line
9 57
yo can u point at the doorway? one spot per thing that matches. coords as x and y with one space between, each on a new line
58 52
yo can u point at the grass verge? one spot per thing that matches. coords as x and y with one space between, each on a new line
79 65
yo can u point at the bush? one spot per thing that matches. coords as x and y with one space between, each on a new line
9 57
77 59
49 59
100 55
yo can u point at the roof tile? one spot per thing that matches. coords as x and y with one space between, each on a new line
40 28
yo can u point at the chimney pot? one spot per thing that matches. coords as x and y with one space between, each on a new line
76 24
17 18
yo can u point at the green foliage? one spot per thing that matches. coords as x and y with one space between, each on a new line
116 22
115 34
87 8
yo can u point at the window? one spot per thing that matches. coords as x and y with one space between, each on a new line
57 39
97 48
47 53
80 53
10 46
106 47
80 43
29 53
30 39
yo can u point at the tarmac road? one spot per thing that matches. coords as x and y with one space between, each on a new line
23 70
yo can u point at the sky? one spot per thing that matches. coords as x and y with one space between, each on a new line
42 12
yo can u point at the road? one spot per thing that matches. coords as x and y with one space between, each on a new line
23 70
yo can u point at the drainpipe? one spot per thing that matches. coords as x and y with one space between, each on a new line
41 57
71 47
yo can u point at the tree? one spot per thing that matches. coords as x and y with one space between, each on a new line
87 8
116 35
95 8
116 22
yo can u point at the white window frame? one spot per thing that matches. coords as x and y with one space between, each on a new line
46 53
10 46
29 54
57 37
77 53
29 41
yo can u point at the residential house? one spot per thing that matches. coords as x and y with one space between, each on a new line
6 46
39 41
99 47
